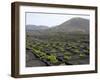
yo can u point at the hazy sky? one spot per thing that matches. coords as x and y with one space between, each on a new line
49 19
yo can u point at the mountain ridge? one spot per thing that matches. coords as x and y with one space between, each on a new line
74 25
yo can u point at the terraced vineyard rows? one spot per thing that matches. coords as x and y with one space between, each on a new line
60 53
